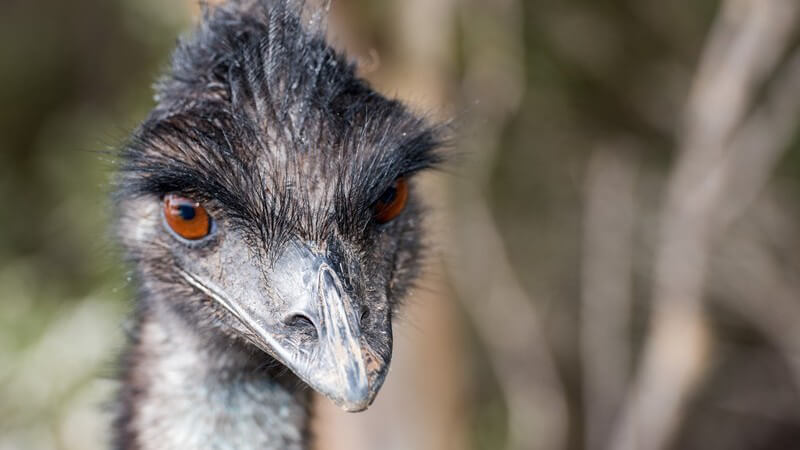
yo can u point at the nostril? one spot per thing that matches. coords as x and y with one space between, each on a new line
364 316
301 322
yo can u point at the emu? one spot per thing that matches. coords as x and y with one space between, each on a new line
267 208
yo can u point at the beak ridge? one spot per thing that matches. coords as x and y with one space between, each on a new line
340 343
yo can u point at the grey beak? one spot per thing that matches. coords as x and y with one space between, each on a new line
326 349
301 314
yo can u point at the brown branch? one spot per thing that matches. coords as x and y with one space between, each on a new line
508 324
762 140
606 287
502 313
744 46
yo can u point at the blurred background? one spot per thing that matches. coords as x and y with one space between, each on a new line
614 248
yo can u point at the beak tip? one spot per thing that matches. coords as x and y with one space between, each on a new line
357 399
354 406
352 396
355 409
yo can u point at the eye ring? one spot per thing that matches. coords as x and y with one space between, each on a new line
186 218
392 202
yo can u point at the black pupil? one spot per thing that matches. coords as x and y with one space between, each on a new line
388 196
186 212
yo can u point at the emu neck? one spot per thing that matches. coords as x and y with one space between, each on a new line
183 391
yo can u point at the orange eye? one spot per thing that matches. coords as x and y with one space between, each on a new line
392 201
186 217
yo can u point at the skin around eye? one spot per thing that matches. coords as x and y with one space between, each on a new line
392 201
186 217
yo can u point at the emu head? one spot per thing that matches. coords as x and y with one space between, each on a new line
268 198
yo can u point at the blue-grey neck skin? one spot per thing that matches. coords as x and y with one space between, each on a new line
183 392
